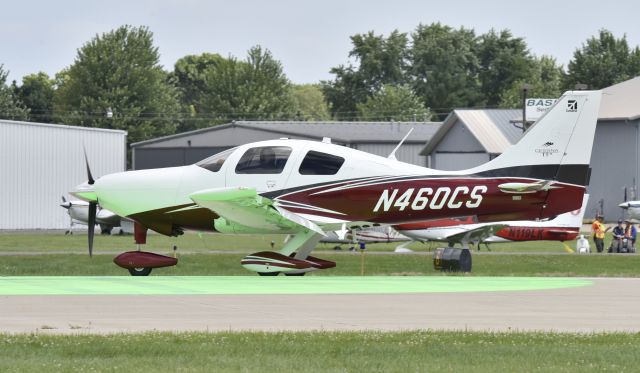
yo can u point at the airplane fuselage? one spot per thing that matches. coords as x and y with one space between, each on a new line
365 188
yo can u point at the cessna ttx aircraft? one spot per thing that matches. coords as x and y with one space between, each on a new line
305 188
564 227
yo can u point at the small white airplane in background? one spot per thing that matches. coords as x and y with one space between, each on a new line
633 210
564 227
79 214
381 234
306 188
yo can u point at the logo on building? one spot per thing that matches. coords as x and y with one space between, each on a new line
572 106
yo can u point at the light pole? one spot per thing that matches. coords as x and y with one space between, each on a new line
525 89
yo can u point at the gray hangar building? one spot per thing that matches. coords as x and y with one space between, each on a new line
469 137
41 162
378 138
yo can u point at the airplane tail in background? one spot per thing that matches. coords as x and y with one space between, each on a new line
572 219
556 147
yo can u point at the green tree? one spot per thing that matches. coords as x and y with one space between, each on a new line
256 88
545 79
444 68
36 92
189 76
379 61
10 105
309 102
397 103
604 60
504 60
118 70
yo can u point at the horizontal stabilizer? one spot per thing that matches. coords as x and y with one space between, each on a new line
521 188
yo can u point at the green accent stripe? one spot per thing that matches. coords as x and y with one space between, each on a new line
176 285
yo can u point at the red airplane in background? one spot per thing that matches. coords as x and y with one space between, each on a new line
564 227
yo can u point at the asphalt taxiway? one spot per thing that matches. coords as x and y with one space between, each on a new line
128 304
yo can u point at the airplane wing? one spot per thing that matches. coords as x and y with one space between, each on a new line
478 234
240 208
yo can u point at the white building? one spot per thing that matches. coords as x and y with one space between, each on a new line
39 163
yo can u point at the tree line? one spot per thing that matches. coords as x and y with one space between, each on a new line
116 81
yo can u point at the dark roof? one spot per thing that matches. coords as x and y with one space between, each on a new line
346 132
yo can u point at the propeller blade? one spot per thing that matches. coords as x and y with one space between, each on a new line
65 204
86 161
92 225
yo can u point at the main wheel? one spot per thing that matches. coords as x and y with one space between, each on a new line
295 274
268 273
144 271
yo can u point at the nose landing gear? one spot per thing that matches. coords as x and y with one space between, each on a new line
140 263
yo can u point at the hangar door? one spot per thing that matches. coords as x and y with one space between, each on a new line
458 161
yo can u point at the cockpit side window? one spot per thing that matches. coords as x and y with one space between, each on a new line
263 160
317 163
215 162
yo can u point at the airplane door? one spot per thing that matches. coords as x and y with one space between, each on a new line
266 168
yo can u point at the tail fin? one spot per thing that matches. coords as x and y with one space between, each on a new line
557 147
572 219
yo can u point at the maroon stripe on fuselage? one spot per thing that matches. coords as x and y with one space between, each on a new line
488 203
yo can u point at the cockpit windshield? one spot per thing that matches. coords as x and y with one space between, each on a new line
263 160
215 162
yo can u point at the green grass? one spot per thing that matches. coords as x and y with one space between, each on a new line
77 243
194 242
415 351
348 264
67 256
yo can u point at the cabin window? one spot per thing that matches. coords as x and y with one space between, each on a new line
215 162
263 160
317 163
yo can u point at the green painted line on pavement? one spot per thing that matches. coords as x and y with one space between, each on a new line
237 285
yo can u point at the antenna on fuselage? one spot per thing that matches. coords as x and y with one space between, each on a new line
393 153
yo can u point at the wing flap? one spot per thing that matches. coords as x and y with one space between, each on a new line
245 207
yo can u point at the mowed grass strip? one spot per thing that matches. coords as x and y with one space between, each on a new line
56 241
348 264
414 351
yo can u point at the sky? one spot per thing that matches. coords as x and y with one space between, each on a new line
308 37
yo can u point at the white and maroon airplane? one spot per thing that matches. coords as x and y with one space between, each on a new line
305 188
562 228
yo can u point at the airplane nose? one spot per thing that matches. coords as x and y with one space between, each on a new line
624 205
85 192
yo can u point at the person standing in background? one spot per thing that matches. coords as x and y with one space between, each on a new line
597 231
